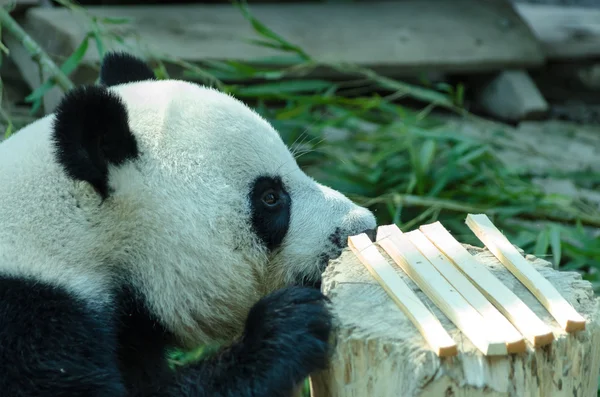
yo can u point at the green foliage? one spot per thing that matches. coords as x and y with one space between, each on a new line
36 97
179 358
407 166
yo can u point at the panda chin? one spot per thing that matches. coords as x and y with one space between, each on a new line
325 258
316 285
308 281
314 280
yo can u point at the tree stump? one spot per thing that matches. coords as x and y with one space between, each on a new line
380 353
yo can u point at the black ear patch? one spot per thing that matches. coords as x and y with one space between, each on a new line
120 68
91 131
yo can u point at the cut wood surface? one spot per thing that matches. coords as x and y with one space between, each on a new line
514 340
564 32
542 289
389 279
392 37
440 291
505 300
379 352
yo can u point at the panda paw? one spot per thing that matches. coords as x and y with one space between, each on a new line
290 328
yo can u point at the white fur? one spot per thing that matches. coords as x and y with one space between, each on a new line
178 219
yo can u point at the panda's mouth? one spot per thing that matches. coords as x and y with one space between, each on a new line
322 265
314 280
338 244
315 285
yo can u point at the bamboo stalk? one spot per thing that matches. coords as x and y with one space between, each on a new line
36 52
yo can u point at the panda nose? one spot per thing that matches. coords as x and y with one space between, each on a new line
371 233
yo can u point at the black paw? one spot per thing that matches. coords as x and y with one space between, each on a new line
289 329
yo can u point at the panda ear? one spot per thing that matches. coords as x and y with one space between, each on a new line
90 132
120 68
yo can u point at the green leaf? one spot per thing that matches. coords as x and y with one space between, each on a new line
4 49
293 112
9 130
113 21
475 154
281 60
541 245
263 30
427 153
99 45
161 72
269 44
287 87
76 57
70 64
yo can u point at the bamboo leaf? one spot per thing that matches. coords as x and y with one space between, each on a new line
264 31
70 64
541 245
114 20
286 87
427 153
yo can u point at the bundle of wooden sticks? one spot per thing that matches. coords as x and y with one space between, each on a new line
483 308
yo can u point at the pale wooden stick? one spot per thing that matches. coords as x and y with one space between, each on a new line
509 304
542 289
515 343
439 290
429 326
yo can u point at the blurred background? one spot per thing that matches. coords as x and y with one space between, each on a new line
422 110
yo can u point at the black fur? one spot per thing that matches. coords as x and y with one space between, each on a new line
142 340
270 222
53 344
91 131
120 68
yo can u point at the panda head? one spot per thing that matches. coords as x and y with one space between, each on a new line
191 195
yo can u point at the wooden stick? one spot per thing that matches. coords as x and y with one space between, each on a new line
515 343
429 326
509 304
507 254
439 290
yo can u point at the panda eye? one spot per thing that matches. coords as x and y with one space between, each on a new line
270 198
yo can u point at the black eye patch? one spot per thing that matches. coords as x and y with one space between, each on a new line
270 210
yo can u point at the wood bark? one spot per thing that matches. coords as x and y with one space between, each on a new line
379 352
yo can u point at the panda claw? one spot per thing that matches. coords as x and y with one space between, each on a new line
291 327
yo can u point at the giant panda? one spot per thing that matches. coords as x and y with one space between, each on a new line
145 215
